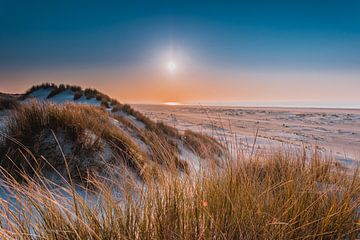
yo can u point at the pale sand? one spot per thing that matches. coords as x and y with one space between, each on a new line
336 131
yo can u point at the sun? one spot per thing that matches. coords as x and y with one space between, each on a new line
172 103
171 66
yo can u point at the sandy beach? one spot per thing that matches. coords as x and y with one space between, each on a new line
335 131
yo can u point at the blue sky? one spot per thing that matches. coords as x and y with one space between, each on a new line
212 36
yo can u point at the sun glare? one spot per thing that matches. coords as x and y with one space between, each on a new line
171 103
171 66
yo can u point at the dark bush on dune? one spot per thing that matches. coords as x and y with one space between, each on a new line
74 88
77 95
114 102
105 104
90 93
57 90
98 97
41 86
93 93
37 87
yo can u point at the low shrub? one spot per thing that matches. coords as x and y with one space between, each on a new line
37 87
57 90
77 95
105 104
90 93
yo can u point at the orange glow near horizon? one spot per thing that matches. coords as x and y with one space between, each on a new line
146 85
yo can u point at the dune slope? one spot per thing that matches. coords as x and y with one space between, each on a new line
65 130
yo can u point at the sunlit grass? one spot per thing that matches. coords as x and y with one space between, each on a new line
282 196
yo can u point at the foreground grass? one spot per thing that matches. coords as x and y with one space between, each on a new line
284 195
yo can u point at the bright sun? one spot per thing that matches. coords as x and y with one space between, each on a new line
171 66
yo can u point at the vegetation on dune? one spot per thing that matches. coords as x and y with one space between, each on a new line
163 147
37 87
284 195
126 108
78 95
89 93
162 139
203 145
107 102
7 103
82 129
56 90
42 130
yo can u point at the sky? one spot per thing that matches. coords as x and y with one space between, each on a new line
291 53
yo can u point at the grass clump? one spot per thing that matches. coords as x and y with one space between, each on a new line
62 87
105 104
57 90
37 87
7 103
139 116
78 95
278 196
202 144
40 86
164 140
163 148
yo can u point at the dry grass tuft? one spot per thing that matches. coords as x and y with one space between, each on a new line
126 108
203 145
78 95
7 103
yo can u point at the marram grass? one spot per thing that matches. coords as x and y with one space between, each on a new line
284 195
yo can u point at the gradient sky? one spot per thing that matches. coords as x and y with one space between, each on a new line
247 52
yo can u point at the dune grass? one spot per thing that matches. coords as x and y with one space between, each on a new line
164 140
84 129
285 195
202 144
89 93
8 103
